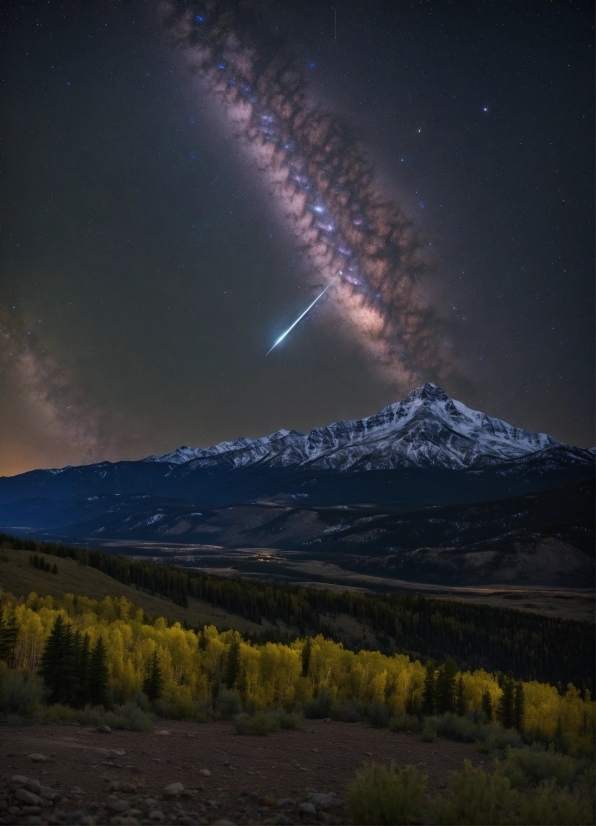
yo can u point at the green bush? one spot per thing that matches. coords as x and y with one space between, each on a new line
228 702
127 716
549 804
428 734
288 719
377 714
531 766
405 722
477 798
348 712
130 716
383 795
453 727
259 723
319 707
21 693
204 713
60 714
496 739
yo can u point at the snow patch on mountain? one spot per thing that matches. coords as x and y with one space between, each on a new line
427 429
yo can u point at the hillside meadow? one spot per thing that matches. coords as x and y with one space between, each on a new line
19 577
527 646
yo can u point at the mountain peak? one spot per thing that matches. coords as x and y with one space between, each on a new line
428 428
427 392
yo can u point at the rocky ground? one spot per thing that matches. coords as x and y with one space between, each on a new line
187 773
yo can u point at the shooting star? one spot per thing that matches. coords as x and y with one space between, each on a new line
300 317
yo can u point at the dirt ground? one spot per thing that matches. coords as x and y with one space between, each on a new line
120 777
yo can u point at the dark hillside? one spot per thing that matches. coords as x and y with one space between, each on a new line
530 646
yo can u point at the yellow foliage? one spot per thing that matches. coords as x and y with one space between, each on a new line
271 673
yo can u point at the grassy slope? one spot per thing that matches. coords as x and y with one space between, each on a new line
19 577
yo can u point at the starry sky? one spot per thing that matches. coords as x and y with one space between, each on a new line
151 257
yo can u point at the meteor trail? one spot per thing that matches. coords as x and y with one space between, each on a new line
317 172
310 306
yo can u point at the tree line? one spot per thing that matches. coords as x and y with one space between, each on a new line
108 651
529 646
74 672
42 564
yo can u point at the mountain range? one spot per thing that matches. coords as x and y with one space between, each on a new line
427 429
285 490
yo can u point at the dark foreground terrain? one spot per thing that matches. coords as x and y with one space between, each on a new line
92 777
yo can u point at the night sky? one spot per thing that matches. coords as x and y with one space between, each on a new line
151 254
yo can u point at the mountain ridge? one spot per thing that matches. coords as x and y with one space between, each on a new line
426 451
428 428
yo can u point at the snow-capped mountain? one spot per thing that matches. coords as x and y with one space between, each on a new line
426 451
427 429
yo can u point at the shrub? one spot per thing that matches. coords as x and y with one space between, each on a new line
531 766
405 722
175 707
130 716
259 723
497 739
428 734
477 798
62 714
20 692
383 795
204 712
228 702
288 719
378 714
456 728
559 807
319 707
127 716
349 712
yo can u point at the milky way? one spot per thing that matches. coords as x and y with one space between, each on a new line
48 392
322 182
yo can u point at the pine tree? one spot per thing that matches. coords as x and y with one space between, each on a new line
97 691
460 700
487 704
153 683
518 707
55 569
9 632
58 664
232 671
445 690
505 709
66 676
429 690
306 650
50 658
83 657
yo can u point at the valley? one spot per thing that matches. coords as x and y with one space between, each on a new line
426 496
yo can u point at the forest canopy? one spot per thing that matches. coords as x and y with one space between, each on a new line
530 646
194 665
